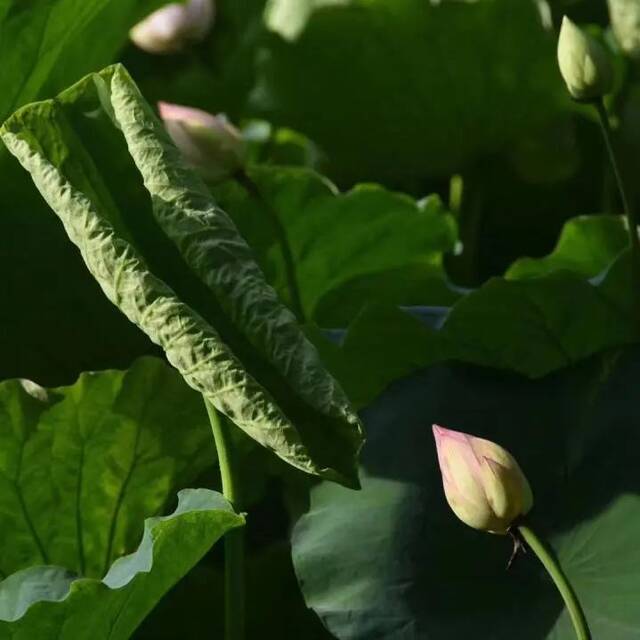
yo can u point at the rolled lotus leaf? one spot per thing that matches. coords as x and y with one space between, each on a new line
174 263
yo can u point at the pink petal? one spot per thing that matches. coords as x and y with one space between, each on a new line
170 111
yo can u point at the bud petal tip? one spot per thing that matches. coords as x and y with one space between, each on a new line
584 63
209 143
174 26
483 483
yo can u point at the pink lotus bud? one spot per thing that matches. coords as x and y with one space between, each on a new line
174 26
482 482
210 144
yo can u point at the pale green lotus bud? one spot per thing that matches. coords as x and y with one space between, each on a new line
482 482
210 144
174 26
625 22
584 63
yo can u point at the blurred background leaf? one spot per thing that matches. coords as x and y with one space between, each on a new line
347 245
398 91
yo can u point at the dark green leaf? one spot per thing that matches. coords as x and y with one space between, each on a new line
394 562
174 264
530 326
347 250
587 246
58 322
397 90
273 598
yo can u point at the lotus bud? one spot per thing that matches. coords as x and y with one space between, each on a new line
210 144
584 63
174 26
482 482
625 23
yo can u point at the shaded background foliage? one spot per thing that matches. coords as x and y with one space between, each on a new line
406 94
529 159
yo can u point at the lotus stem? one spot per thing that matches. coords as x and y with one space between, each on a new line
632 219
234 605
243 178
559 578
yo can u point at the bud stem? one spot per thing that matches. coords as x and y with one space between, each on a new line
560 580
233 539
243 178
632 220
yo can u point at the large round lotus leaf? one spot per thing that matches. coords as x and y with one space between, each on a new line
393 561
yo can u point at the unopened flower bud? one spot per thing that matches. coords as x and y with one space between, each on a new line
482 482
625 23
174 26
210 144
584 63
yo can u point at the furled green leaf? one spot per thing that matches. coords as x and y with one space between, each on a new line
50 603
347 249
393 561
587 246
174 264
397 90
81 465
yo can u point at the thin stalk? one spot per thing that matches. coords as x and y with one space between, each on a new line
252 189
456 193
560 580
630 214
234 607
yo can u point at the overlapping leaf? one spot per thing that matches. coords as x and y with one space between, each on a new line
587 246
81 467
50 603
347 249
543 316
173 262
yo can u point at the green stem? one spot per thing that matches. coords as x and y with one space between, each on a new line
632 219
234 539
252 189
559 579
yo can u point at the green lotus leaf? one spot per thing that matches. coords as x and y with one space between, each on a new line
49 602
346 250
393 561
